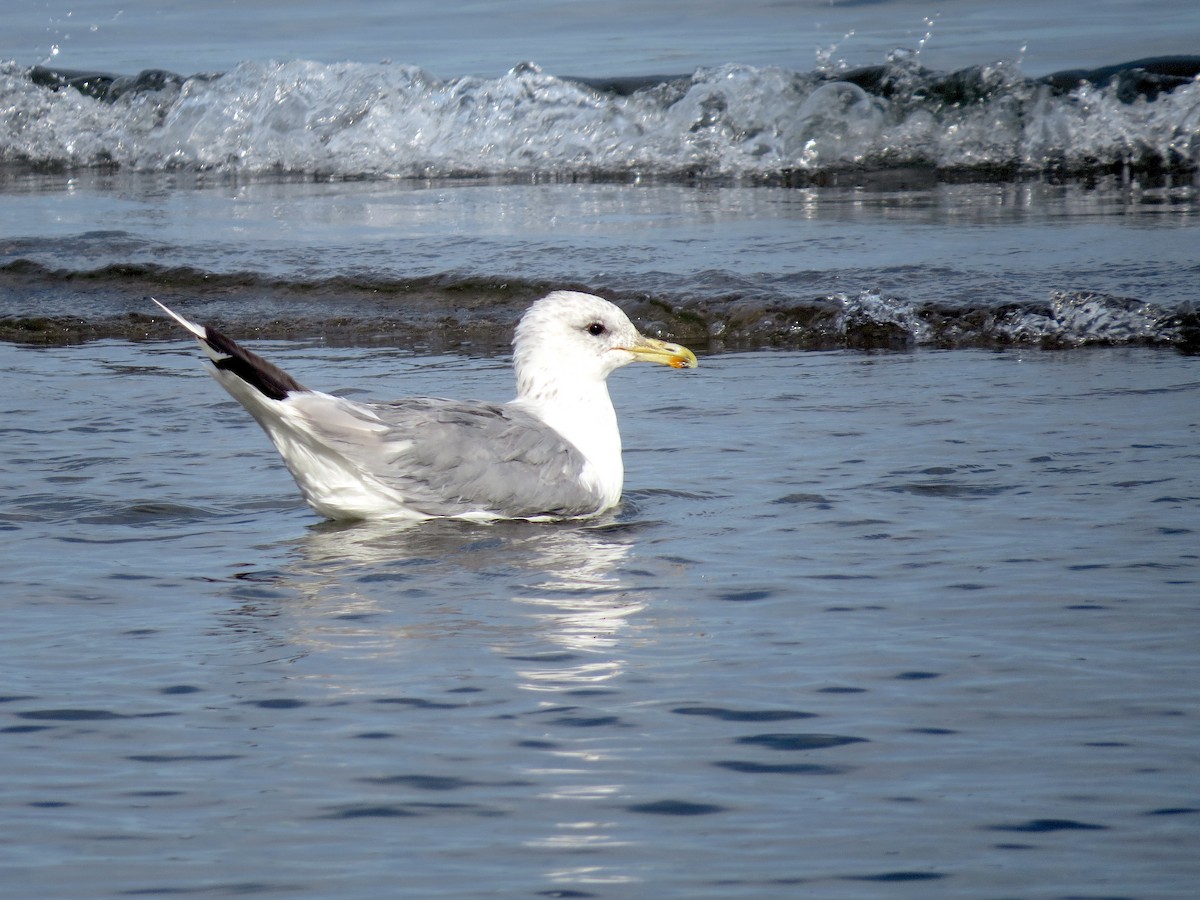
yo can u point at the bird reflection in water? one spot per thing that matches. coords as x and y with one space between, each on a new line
493 656
552 598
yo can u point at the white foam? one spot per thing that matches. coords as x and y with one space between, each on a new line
1075 319
356 120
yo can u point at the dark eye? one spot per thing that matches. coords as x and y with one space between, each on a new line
596 329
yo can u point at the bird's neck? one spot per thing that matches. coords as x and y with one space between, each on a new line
582 412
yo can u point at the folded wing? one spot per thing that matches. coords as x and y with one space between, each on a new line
452 457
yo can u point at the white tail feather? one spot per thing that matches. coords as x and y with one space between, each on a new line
197 330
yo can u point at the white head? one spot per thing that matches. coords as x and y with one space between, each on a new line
570 337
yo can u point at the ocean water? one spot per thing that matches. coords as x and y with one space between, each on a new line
866 625
901 600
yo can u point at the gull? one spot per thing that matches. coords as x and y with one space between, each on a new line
554 452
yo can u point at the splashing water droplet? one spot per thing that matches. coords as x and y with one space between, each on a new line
929 22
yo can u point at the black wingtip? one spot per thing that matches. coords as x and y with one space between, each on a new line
267 378
229 356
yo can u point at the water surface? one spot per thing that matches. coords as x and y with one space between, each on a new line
864 623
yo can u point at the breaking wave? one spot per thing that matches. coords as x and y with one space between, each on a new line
349 120
452 314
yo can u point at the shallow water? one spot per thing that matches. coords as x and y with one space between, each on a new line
447 265
866 625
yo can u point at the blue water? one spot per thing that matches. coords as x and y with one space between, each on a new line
864 623
590 38
912 614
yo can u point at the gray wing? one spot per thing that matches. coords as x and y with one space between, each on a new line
448 457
